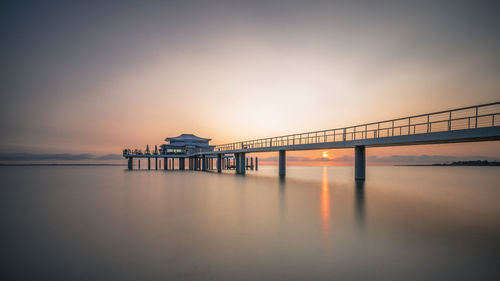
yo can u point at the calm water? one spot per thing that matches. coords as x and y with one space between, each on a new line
106 223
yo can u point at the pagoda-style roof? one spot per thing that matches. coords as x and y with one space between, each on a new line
187 138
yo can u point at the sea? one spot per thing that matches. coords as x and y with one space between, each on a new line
108 223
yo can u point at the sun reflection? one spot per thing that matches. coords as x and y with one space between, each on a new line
325 203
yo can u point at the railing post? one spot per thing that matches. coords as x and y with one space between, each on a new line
409 125
449 123
476 118
428 123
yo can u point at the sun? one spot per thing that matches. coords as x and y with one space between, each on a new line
325 155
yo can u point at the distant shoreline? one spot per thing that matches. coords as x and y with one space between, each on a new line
477 163
54 164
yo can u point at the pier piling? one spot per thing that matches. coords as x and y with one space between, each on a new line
242 163
359 162
130 163
282 163
219 163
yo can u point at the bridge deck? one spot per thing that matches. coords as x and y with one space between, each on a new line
468 124
466 135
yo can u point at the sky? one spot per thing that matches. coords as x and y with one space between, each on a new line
94 77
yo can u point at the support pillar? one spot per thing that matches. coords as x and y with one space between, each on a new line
282 163
149 163
256 163
237 165
156 163
130 163
139 163
182 163
251 163
165 163
242 163
219 163
359 162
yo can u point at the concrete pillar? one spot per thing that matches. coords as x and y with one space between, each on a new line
359 162
242 163
130 163
256 163
156 163
149 163
139 163
182 163
159 163
237 164
251 163
282 163
219 163
165 163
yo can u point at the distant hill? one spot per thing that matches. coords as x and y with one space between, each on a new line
470 163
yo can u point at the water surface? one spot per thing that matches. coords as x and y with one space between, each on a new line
107 223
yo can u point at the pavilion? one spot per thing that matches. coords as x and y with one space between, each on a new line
186 144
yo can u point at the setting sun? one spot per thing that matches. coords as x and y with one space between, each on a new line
325 155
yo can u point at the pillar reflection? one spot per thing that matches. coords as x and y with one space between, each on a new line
359 203
282 197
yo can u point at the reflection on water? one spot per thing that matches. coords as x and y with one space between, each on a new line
282 197
325 203
359 201
106 223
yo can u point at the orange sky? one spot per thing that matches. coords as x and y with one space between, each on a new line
134 75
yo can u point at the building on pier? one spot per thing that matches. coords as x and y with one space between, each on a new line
186 144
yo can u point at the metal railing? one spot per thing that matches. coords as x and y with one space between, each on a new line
478 116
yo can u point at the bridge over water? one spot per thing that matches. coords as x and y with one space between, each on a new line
467 124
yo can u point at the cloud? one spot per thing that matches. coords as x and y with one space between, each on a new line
61 156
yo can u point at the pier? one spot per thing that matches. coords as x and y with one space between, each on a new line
468 124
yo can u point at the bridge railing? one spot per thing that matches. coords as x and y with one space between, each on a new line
479 116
